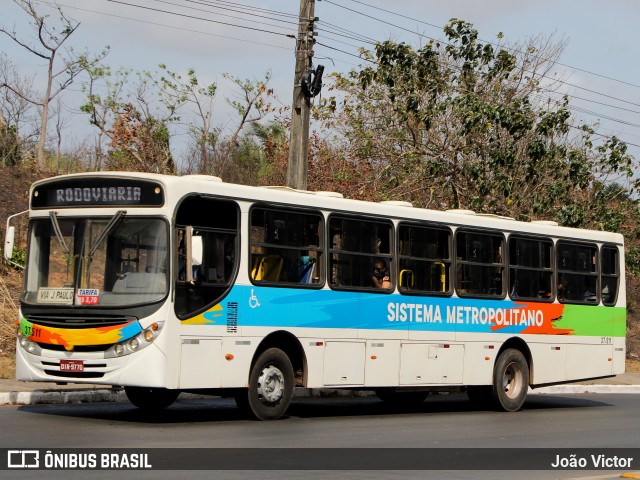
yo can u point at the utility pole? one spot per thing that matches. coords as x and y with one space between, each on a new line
300 107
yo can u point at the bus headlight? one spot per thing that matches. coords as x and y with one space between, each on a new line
28 345
148 335
134 344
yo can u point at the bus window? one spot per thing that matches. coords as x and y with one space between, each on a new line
356 247
285 246
213 227
530 269
610 275
424 260
480 264
577 275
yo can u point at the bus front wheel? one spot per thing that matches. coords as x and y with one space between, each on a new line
510 380
152 399
270 385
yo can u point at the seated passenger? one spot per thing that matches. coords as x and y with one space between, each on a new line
381 278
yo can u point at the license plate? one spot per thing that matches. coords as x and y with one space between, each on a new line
72 365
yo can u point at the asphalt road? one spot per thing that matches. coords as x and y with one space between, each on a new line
449 422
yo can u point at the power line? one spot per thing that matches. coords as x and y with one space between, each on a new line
599 93
257 9
431 38
595 101
202 19
340 41
350 37
166 26
549 90
586 111
608 137
351 33
208 4
381 21
345 52
501 46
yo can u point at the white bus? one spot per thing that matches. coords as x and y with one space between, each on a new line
165 284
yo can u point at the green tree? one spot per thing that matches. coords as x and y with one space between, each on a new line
461 124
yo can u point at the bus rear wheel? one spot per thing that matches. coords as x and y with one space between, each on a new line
152 399
510 380
270 385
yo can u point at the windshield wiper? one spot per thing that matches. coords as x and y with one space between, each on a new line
112 223
56 228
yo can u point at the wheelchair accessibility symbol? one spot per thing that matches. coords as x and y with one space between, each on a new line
253 300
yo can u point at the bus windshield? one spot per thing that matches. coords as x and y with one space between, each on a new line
100 261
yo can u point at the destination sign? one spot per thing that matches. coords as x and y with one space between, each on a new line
98 192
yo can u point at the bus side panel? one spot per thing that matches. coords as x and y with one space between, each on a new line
431 363
344 363
589 359
382 363
619 355
201 362
479 358
548 360
590 346
314 353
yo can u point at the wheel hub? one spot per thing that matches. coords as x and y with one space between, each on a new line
270 384
512 380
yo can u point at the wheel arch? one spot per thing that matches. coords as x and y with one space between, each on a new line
290 345
520 345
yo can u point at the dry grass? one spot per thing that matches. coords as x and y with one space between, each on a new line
8 367
8 316
633 365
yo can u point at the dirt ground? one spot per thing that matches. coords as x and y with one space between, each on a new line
7 367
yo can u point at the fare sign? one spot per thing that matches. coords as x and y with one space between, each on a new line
88 296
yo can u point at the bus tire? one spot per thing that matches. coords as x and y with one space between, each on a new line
270 385
151 399
510 380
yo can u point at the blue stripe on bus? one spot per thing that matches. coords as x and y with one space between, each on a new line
287 308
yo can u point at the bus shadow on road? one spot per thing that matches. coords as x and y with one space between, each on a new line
203 410
434 404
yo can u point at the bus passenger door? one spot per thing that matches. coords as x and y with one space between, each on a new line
205 265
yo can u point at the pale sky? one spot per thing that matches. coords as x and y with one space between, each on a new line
602 38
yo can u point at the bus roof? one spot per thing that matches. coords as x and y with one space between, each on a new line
181 186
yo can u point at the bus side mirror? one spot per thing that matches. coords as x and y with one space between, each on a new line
9 239
8 242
